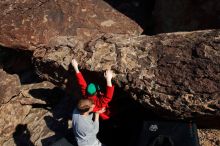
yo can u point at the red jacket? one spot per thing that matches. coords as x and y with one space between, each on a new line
101 101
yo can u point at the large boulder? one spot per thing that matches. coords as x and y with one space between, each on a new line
27 24
176 74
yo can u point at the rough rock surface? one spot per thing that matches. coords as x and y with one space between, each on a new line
31 119
209 137
12 114
27 24
9 86
177 73
28 91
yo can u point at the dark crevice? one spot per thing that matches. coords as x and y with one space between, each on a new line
138 10
18 62
158 16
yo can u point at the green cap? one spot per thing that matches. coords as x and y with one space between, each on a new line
91 89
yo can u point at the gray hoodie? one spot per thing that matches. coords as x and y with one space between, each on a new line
85 129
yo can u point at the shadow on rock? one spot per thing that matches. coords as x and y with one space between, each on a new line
51 96
61 129
22 136
60 106
20 63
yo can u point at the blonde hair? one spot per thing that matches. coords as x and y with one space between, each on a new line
84 105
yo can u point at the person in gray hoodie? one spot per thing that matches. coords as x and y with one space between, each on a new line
86 123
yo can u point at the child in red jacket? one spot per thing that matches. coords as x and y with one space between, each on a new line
90 91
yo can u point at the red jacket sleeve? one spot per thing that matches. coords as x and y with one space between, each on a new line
108 97
82 83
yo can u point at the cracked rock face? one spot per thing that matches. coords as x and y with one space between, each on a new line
9 86
31 119
27 24
209 137
12 114
177 73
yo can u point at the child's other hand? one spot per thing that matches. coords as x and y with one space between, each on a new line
108 74
74 63
101 110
